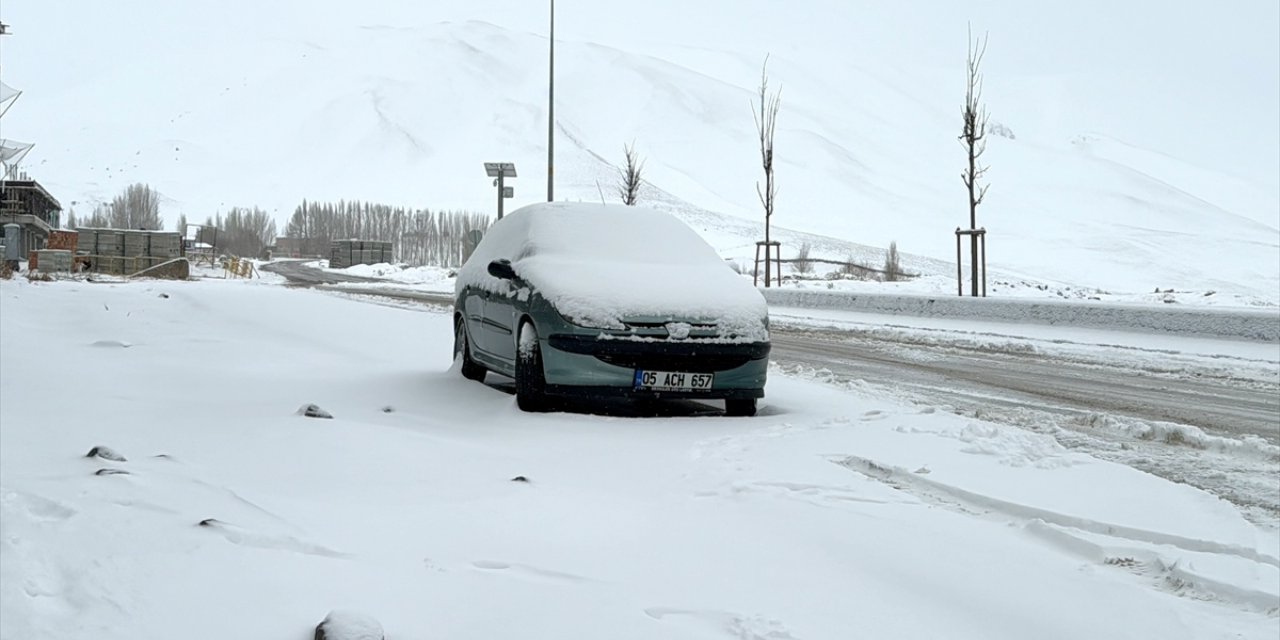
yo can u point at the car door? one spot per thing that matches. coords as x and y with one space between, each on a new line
473 303
501 310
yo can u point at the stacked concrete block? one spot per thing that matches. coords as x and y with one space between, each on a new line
52 261
136 243
125 251
345 253
165 244
101 242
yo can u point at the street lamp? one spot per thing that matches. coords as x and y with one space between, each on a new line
500 171
551 110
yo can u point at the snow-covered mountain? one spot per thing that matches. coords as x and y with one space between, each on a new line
1141 148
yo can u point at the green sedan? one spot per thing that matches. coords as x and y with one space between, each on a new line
584 300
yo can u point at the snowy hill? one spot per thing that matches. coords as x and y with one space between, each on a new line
1142 155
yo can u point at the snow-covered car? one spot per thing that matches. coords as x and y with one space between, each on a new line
573 299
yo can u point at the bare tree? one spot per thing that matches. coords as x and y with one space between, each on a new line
802 263
418 237
629 184
181 225
245 232
137 208
100 218
766 120
973 138
71 219
892 265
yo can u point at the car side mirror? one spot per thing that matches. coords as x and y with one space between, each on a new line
502 269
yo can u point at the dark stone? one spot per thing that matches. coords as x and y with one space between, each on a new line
519 479
313 411
210 522
349 626
165 296
107 471
106 453
388 409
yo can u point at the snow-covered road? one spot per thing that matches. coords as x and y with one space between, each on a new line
1199 411
835 513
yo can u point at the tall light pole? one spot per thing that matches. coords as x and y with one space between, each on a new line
551 111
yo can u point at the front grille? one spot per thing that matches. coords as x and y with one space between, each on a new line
682 355
691 363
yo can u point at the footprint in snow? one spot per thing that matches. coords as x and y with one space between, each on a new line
37 508
528 571
753 627
111 344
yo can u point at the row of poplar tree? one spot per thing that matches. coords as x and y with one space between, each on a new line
418 236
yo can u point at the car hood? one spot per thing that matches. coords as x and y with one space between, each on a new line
616 295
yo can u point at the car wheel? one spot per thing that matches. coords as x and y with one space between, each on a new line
531 381
740 407
471 369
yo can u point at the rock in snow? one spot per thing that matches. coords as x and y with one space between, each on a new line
313 411
347 625
106 453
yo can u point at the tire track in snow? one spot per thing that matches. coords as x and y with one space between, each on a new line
969 502
1069 533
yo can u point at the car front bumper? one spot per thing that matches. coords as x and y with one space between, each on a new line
595 366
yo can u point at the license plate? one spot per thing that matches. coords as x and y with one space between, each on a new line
673 381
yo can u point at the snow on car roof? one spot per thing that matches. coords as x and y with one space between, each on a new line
600 264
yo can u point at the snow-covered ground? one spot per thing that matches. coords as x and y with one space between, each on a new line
835 513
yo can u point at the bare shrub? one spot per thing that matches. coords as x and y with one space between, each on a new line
853 271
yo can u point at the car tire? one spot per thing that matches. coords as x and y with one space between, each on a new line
531 380
471 369
740 407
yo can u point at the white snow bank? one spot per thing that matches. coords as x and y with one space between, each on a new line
602 264
399 273
1257 325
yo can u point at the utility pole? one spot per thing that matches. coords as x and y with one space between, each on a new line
551 111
